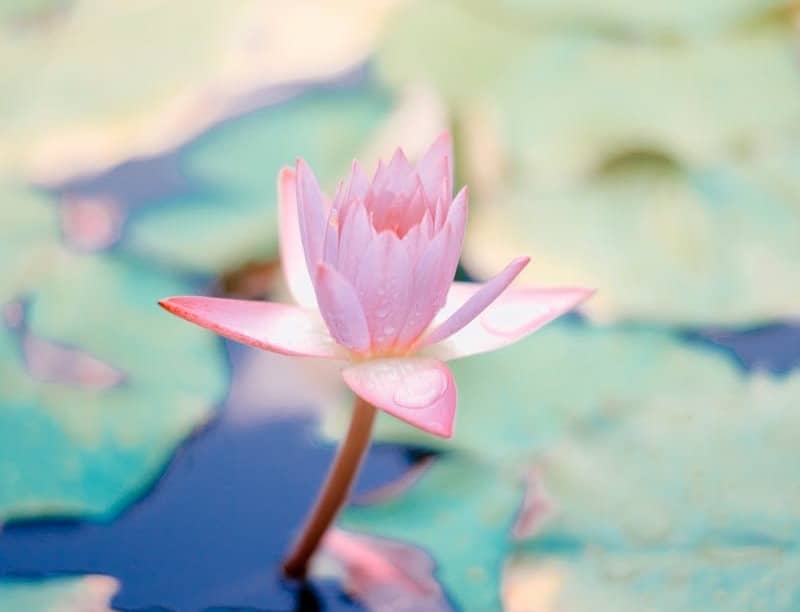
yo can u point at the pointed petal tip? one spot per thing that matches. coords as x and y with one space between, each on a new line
172 304
286 173
522 261
280 328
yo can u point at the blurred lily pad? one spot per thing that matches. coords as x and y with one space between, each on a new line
649 168
81 594
80 91
460 512
515 402
28 238
705 246
734 580
684 505
663 19
229 214
99 386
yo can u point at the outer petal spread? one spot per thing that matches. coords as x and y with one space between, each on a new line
280 328
293 258
477 302
511 317
417 390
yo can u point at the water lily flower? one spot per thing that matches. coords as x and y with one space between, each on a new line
372 273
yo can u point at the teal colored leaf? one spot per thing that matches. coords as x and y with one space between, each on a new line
460 512
729 580
650 167
28 238
687 504
514 402
666 20
71 443
706 246
80 594
233 218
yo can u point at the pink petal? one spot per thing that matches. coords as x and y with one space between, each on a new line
358 184
341 309
429 291
477 303
512 316
457 220
400 173
384 284
537 507
280 328
416 390
312 213
385 574
291 245
355 237
437 166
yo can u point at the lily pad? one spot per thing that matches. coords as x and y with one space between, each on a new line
514 402
705 246
734 580
684 505
80 594
460 512
28 238
70 444
68 108
662 19
562 131
229 214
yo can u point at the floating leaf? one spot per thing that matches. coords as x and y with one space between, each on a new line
656 171
232 217
83 594
28 238
460 512
733 580
665 20
516 401
68 109
708 246
686 504
75 439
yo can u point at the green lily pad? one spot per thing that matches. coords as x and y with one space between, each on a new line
28 238
733 580
461 512
514 402
664 19
704 246
649 169
58 594
234 218
72 444
713 470
23 12
685 505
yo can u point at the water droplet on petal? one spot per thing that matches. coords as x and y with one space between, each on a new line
420 389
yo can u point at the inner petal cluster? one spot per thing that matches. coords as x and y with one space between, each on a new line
395 241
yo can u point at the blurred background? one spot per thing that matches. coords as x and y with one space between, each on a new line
641 455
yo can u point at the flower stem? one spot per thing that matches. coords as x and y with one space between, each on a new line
334 491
